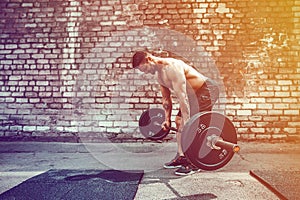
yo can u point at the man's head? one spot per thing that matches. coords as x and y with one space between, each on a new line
139 58
144 62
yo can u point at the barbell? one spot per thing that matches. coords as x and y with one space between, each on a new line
208 139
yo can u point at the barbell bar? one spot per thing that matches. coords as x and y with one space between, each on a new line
216 142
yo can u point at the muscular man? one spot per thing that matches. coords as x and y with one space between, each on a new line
194 91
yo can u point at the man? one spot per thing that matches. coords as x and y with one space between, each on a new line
192 89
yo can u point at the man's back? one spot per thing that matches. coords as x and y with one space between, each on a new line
176 70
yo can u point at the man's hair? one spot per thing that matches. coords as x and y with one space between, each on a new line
138 57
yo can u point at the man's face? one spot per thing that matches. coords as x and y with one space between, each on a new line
146 67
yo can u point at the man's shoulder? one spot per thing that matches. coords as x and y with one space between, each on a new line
178 63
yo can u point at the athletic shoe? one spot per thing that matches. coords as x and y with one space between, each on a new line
176 162
187 169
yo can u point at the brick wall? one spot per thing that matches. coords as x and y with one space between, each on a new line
65 64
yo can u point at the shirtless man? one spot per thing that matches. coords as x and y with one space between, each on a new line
192 89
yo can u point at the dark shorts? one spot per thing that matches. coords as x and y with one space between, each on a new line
204 98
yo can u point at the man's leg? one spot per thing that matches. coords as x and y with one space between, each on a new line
178 121
186 168
179 159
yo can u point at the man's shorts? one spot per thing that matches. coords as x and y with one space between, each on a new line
204 98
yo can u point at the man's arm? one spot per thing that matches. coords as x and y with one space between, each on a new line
182 96
179 84
167 103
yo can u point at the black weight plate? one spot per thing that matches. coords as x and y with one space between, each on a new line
150 124
194 140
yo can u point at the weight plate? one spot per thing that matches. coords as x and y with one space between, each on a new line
150 124
194 140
